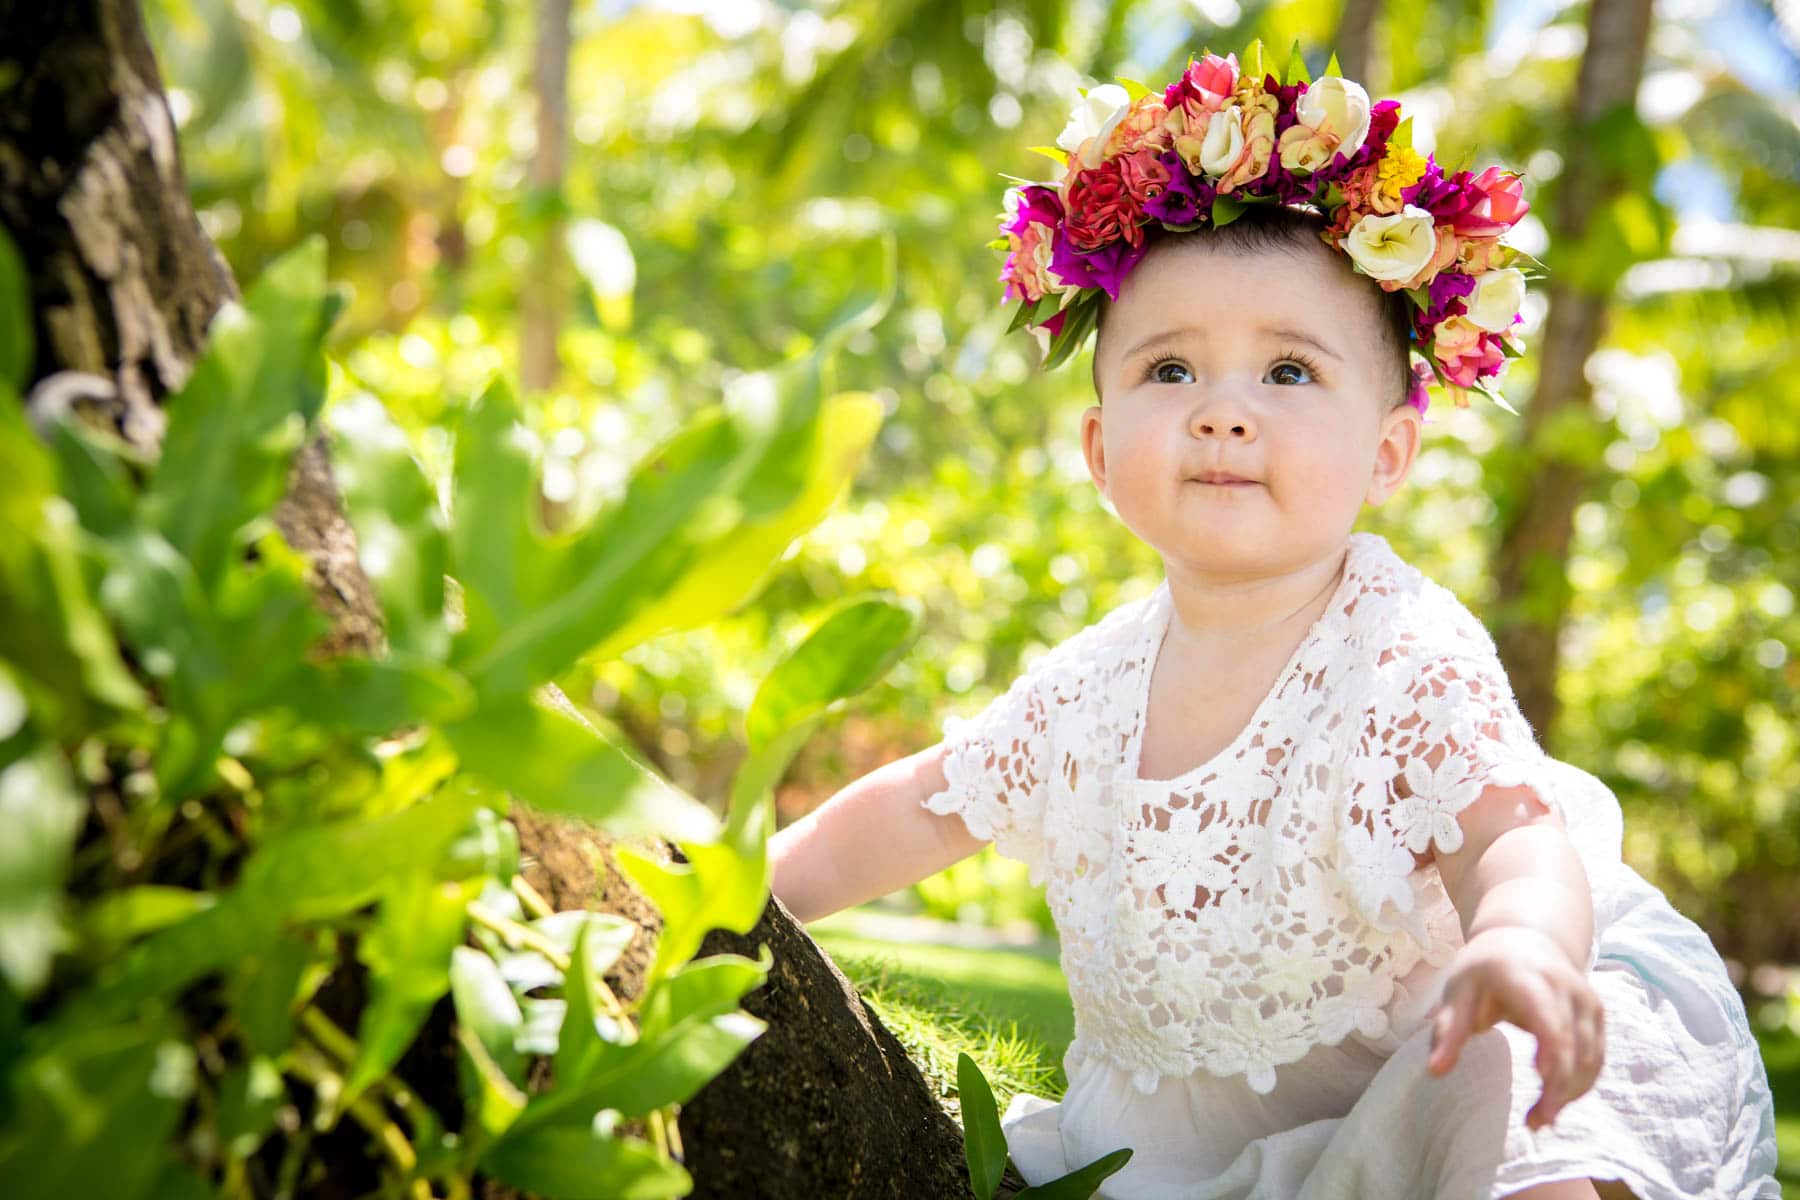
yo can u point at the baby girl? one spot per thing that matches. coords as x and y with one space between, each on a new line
1334 924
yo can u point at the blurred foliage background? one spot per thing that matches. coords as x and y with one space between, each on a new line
674 194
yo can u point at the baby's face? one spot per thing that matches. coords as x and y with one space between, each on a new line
1270 367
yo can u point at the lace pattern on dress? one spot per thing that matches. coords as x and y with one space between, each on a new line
1269 900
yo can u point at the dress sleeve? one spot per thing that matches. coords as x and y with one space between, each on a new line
1443 731
996 764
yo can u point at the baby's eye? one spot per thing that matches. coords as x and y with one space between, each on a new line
1291 366
1157 370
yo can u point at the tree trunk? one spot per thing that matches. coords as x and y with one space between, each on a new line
124 283
124 280
1354 42
1531 564
544 296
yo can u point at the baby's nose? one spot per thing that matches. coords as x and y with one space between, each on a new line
1228 426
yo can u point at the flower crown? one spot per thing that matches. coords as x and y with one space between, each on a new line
1221 138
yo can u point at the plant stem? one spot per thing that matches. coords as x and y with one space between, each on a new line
517 936
313 1068
534 903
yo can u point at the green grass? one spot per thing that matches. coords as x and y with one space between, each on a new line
1010 1011
1781 1055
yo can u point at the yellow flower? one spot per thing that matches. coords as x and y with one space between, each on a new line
1400 167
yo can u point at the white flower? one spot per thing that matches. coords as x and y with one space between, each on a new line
1184 858
1091 122
1340 105
1497 298
1438 794
1376 871
1224 143
1394 246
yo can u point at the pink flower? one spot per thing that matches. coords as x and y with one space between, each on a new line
1032 214
1190 102
1466 351
1144 128
1500 204
1145 177
1100 208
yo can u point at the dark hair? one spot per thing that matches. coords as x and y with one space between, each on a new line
1277 227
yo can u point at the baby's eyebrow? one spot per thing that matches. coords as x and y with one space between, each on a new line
1170 338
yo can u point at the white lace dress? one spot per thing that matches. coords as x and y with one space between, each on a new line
1251 952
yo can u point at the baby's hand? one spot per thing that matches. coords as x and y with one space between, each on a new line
1517 974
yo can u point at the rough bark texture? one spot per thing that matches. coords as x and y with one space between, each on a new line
124 280
1531 563
825 1102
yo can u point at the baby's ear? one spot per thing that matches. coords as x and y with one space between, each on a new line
1093 446
1401 431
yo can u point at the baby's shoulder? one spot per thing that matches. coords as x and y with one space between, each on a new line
1401 615
1105 645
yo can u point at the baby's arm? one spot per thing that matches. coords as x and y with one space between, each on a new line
1528 922
873 837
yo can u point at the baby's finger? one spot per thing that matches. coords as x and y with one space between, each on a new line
1592 1016
1450 1028
1556 1059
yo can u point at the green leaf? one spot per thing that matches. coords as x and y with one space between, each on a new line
1250 62
704 988
1058 156
1402 135
17 351
647 1074
1080 1183
235 425
40 812
51 630
851 648
314 873
96 1113
1082 317
719 887
1133 88
263 986
1332 68
493 529
984 1144
422 921
733 565
1296 66
487 1009
1225 210
250 1096
364 697
581 1163
90 465
123 916
555 761
402 536
598 944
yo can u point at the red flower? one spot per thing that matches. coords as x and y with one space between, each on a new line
1100 208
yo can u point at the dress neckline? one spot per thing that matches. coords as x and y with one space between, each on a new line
1156 631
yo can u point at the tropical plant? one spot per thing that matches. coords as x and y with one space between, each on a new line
252 890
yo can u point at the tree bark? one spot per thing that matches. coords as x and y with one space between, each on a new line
1354 42
1531 563
544 296
125 282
